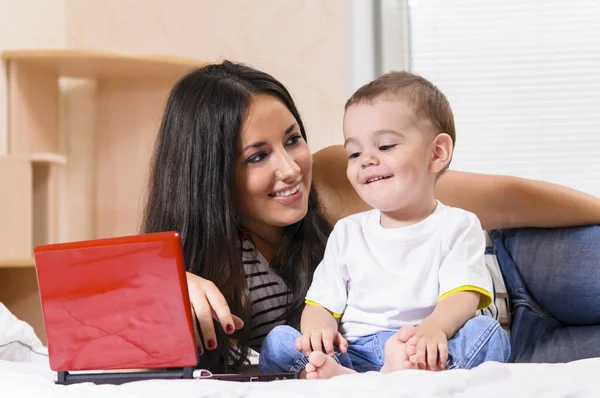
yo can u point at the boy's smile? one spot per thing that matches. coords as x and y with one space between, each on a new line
389 157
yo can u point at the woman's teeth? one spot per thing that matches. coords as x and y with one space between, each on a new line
288 192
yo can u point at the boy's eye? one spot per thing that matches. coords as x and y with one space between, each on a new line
293 140
257 157
386 147
354 155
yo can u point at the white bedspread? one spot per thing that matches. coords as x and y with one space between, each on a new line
576 379
25 372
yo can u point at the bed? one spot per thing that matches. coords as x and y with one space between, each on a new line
576 379
25 372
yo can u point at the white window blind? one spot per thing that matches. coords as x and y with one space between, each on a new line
523 79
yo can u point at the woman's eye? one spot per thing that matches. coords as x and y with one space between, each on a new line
386 147
293 140
257 157
354 155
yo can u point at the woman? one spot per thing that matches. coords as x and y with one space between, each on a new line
233 174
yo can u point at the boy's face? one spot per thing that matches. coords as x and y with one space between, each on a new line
390 153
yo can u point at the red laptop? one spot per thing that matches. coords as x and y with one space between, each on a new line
117 304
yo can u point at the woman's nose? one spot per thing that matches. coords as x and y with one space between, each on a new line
287 169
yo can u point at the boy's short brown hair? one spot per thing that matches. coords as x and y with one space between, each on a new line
426 100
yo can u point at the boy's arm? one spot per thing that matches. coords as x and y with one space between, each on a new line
315 316
431 337
326 300
453 312
319 329
465 285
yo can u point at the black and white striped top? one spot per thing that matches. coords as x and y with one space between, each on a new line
268 294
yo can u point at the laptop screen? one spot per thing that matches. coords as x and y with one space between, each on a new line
117 303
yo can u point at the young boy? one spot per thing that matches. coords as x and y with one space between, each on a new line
399 286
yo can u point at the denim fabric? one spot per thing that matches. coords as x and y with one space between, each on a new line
481 339
553 280
279 354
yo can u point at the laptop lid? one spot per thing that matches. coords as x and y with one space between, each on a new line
116 303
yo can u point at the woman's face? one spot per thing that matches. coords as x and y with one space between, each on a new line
273 174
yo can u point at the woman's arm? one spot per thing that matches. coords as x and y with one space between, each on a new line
498 201
510 202
337 197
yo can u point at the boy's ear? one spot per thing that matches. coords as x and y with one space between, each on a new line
441 154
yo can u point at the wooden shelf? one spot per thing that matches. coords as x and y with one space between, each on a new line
78 154
42 157
102 65
17 263
34 93
29 198
19 293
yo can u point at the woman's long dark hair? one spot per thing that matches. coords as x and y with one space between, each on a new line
191 190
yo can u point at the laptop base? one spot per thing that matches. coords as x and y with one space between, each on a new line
116 378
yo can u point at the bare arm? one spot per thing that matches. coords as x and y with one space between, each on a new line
510 202
498 201
453 312
432 335
319 331
314 317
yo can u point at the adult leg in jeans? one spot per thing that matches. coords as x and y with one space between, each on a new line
480 340
553 280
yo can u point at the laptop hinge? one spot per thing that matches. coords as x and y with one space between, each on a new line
123 377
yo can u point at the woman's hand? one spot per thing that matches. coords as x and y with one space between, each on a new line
207 304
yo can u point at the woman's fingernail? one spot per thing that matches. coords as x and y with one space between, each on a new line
230 328
211 344
200 350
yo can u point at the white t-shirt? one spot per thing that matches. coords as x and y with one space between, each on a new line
381 279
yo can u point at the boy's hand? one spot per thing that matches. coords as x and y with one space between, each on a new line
430 347
319 338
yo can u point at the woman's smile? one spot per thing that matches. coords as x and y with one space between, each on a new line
288 195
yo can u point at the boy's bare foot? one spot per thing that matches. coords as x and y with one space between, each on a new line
396 356
322 366
405 333
398 350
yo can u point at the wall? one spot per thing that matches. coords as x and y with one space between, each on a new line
302 43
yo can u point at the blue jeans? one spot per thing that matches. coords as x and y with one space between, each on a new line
481 339
553 280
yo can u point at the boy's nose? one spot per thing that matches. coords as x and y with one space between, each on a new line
369 160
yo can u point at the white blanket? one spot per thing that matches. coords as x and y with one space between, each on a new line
24 372
18 341
576 379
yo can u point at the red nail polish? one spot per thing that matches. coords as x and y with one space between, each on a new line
229 328
211 344
199 350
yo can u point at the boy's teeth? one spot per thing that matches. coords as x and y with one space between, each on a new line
288 192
